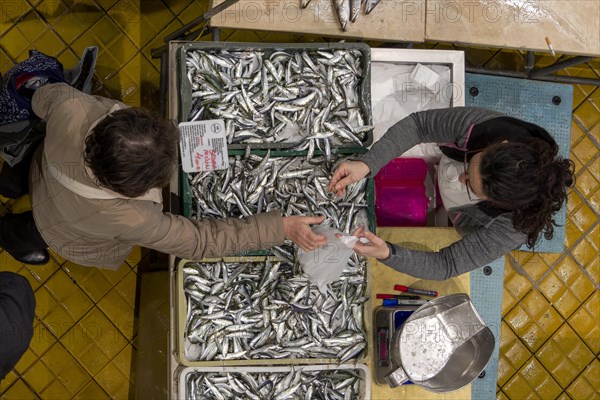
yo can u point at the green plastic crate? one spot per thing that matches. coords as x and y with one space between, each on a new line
187 201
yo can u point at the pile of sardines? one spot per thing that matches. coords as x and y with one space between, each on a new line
298 385
268 310
310 98
253 184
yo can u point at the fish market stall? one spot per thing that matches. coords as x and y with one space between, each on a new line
289 113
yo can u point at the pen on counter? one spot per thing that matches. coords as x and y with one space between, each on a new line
550 46
397 296
406 289
396 302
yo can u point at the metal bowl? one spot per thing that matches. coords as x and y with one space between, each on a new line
455 343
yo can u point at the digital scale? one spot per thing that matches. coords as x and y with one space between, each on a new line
388 319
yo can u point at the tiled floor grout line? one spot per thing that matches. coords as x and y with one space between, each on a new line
586 131
50 25
524 362
589 65
575 107
533 354
535 285
518 301
58 339
95 304
55 299
490 59
15 23
588 97
565 321
92 376
581 303
567 252
196 16
584 168
573 313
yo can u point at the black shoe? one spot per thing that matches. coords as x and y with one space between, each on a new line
19 235
34 257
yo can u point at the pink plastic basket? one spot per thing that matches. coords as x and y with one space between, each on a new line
400 196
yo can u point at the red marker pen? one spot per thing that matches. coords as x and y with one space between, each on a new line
397 296
406 289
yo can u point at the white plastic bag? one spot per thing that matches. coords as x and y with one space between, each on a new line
325 265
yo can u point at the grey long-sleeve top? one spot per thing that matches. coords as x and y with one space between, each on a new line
485 238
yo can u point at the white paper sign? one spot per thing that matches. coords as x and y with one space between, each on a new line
203 145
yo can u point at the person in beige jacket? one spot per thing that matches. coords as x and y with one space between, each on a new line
95 186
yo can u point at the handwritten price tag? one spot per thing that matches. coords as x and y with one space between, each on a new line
203 145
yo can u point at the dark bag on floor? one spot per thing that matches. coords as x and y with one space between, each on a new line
20 129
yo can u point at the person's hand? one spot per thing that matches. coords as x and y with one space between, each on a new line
346 173
297 229
376 247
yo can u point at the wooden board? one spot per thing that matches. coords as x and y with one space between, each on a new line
383 279
391 20
573 26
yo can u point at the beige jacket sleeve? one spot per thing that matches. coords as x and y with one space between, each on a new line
183 237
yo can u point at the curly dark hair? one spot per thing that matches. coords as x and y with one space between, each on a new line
529 179
132 151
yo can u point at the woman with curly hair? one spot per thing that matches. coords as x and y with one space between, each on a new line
500 180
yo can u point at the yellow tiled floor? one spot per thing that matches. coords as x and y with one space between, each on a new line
83 343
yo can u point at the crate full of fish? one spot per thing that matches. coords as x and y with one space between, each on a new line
265 180
262 310
314 382
278 96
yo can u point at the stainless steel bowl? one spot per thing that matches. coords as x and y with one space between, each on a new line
443 346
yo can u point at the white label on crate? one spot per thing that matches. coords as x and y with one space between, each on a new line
203 145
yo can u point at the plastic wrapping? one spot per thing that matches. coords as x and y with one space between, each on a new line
325 265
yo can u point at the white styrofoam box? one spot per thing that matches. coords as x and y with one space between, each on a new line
395 94
363 371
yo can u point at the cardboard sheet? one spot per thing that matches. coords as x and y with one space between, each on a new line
573 26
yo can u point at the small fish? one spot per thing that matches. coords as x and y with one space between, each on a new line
371 4
262 312
354 9
342 8
299 383
282 96
263 183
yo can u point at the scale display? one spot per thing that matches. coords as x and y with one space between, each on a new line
387 321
